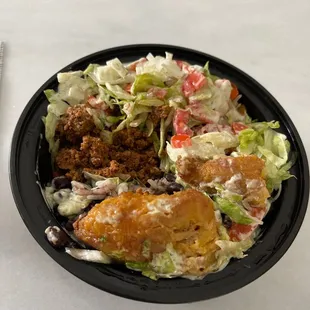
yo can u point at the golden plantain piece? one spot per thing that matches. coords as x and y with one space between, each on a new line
243 175
137 227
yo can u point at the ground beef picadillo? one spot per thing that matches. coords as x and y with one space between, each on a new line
131 153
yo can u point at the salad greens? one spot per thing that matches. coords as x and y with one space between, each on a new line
186 111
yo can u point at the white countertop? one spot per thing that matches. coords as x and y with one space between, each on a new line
267 39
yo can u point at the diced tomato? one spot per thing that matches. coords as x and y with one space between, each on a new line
184 66
180 121
179 141
188 88
157 92
237 127
194 81
197 79
133 66
238 232
234 92
180 63
127 88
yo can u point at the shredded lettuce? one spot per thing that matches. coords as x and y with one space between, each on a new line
72 205
152 102
111 73
162 137
229 249
234 211
73 88
146 81
163 67
270 145
57 106
204 146
162 263
207 73
118 92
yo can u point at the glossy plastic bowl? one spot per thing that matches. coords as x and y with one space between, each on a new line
29 153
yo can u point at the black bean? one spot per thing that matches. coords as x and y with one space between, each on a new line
170 177
57 237
227 222
61 183
173 187
69 225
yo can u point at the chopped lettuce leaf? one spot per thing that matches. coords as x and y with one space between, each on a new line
152 102
162 137
73 205
249 139
202 94
114 119
57 106
139 120
73 88
119 92
162 263
222 140
262 126
144 267
146 249
98 117
144 82
270 145
118 67
163 67
150 127
107 74
51 121
156 141
234 211
229 249
204 146
207 73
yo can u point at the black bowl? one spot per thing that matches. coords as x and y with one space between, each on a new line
281 224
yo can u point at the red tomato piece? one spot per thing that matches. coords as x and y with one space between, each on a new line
133 66
188 88
238 232
127 88
237 127
180 63
180 121
194 81
234 91
197 79
179 141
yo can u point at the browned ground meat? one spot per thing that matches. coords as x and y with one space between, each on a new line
158 113
75 124
136 158
132 138
96 151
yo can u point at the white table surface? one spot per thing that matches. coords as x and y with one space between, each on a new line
267 39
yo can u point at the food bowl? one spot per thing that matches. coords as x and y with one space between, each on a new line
30 166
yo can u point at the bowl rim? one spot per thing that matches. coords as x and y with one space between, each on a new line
260 271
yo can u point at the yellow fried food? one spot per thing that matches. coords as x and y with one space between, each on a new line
243 175
133 227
